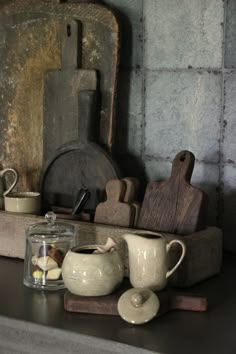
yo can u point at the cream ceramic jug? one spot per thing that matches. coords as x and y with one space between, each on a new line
149 259
3 190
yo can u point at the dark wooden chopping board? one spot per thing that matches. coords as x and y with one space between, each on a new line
79 164
107 305
175 206
61 87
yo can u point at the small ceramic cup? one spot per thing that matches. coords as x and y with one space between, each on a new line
23 202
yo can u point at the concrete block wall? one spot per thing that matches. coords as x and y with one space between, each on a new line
176 91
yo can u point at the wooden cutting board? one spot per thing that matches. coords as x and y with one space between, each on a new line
39 24
79 164
175 206
131 194
114 211
107 305
61 87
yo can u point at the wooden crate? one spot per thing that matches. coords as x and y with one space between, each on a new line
203 257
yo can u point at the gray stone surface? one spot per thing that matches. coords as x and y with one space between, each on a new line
129 113
229 145
183 33
229 217
205 176
129 13
230 35
23 337
183 113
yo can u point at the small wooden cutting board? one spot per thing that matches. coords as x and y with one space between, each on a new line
114 211
132 189
175 206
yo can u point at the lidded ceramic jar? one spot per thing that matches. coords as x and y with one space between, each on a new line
46 246
87 273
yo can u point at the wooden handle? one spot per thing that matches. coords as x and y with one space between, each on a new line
188 302
115 190
88 118
71 42
183 165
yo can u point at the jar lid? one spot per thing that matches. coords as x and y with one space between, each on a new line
138 306
51 227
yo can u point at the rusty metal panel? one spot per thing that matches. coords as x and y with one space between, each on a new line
29 47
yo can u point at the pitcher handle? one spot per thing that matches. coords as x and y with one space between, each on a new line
168 247
16 178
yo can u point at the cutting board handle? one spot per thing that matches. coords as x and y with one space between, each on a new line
182 165
71 41
88 117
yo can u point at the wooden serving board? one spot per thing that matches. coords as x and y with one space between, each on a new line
175 206
107 305
31 31
79 164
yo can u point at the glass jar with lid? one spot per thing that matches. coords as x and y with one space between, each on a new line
46 246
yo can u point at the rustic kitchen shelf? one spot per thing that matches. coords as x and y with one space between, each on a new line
203 257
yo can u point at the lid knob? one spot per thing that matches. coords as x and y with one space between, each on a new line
50 218
137 299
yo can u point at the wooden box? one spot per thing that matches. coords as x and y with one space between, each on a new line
203 257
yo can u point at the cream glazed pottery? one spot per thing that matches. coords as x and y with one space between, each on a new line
88 273
138 306
149 259
3 190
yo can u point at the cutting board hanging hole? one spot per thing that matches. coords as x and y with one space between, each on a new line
68 30
182 158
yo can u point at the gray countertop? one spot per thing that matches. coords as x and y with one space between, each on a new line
32 321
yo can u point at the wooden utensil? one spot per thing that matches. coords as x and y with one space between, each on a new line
130 197
61 116
107 305
175 206
114 211
79 164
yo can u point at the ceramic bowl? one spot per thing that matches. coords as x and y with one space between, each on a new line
92 274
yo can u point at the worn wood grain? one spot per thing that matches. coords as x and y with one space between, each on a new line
31 33
203 257
114 211
79 164
174 205
61 88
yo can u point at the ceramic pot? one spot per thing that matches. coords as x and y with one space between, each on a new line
92 274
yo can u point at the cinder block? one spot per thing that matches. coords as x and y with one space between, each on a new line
129 113
129 14
230 35
182 34
229 143
183 112
229 216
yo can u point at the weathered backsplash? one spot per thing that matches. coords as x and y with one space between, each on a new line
176 91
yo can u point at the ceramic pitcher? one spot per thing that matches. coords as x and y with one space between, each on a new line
149 259
3 190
